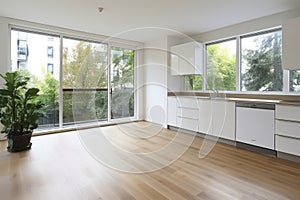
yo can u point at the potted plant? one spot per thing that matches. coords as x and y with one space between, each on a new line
20 110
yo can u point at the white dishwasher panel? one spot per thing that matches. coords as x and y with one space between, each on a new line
255 126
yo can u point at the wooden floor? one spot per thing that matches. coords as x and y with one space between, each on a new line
59 168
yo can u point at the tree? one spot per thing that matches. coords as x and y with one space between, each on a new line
264 71
294 81
193 82
122 82
85 73
221 68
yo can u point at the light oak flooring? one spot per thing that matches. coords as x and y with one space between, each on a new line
58 167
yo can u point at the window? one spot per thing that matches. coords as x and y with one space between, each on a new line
261 62
50 52
295 81
248 63
122 83
193 82
85 94
33 65
74 86
221 66
21 64
50 68
22 49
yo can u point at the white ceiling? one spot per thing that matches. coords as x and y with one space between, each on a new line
187 16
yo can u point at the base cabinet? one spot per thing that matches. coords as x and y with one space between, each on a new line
287 139
224 119
172 111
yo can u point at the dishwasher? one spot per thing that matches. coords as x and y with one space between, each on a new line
255 124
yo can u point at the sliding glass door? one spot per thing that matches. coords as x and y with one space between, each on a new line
122 83
80 81
38 56
84 81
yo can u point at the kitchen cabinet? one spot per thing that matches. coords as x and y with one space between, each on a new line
172 111
290 44
212 117
223 119
217 118
187 111
187 59
205 119
287 137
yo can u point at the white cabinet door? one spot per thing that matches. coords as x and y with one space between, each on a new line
288 145
224 119
172 111
288 112
255 126
205 116
290 44
187 58
187 113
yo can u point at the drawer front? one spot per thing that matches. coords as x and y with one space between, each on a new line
188 113
184 102
288 112
188 124
286 128
288 145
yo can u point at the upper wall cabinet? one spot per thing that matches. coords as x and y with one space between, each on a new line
291 44
187 59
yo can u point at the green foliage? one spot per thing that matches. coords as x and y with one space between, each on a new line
20 108
193 82
294 81
84 68
221 68
264 72
122 82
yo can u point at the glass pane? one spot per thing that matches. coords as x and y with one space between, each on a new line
84 81
261 62
122 83
221 66
29 55
193 82
295 81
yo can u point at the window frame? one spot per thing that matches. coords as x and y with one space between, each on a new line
205 65
61 34
286 76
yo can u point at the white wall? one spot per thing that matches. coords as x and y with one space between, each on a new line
155 77
4 53
248 27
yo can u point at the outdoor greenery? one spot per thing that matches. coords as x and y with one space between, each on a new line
221 68
294 81
193 82
84 74
263 64
122 82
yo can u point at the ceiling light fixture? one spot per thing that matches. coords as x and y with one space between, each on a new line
100 9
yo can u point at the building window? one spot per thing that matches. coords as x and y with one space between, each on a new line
21 64
261 68
295 81
50 68
34 66
50 51
22 49
221 66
